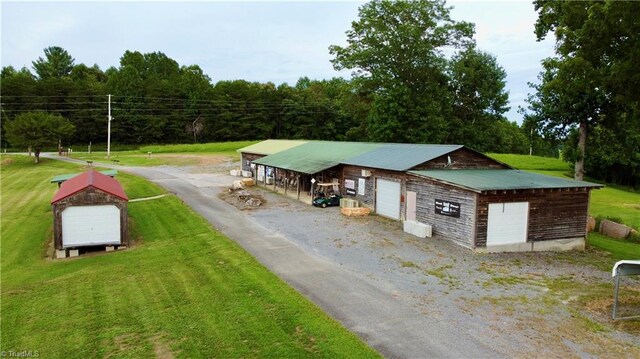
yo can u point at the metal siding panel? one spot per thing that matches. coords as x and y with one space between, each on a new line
90 225
388 198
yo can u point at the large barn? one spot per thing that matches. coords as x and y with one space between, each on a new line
460 194
90 209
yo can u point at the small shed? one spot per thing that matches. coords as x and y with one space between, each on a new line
90 210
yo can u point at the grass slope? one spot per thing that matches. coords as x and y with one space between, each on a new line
182 290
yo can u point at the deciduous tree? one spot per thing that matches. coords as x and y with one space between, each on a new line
37 130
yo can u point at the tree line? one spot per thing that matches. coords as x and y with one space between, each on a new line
417 77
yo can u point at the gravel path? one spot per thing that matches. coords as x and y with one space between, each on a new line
409 297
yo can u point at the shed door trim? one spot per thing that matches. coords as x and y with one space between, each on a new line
507 223
388 198
90 225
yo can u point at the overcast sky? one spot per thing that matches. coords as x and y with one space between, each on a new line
255 41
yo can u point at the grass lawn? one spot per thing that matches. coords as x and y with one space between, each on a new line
172 155
181 290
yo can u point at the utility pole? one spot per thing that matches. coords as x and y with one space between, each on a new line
531 142
109 130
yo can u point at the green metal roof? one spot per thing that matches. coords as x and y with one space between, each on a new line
65 177
490 180
315 156
270 147
400 156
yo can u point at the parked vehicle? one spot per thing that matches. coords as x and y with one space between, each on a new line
332 200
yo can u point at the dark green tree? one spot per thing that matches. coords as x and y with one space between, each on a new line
37 130
56 64
479 101
593 81
395 50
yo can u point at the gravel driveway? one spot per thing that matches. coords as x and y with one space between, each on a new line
409 297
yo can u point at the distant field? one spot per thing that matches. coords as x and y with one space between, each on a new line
524 162
216 147
182 290
170 155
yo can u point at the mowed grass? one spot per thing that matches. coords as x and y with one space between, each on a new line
170 155
181 290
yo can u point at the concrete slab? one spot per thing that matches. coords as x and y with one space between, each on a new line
559 245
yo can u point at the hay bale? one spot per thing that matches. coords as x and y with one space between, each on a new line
355 211
248 182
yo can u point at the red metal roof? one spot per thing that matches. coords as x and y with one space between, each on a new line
88 179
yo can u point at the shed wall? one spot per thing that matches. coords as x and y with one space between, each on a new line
552 214
354 173
461 158
86 197
459 230
247 158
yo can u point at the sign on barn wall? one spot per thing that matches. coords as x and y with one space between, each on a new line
446 208
361 186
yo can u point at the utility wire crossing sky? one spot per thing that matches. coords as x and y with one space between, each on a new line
255 41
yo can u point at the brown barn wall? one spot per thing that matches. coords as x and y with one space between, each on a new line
368 199
460 159
90 197
247 158
459 230
552 214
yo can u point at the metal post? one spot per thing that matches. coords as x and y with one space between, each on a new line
109 130
615 295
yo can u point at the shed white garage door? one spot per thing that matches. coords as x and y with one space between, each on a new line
508 223
388 198
90 225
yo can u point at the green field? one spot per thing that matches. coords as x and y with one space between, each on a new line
181 290
172 155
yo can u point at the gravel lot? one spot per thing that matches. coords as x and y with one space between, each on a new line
521 301
520 304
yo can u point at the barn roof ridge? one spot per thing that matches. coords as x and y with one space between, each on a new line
91 178
315 156
480 180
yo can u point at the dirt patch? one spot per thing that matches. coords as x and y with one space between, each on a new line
239 200
161 350
200 160
7 161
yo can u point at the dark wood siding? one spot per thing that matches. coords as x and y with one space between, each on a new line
461 158
354 173
89 197
247 158
552 214
460 230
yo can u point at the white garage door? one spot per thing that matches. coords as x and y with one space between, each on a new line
388 198
508 223
90 225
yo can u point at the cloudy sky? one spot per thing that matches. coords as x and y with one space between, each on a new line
257 41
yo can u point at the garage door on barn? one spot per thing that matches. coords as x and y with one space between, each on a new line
90 225
388 198
508 223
